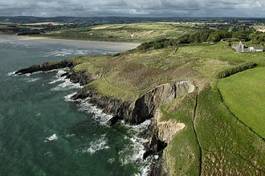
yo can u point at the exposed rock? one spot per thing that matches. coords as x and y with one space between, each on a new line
46 67
155 147
167 130
143 108
146 105
82 78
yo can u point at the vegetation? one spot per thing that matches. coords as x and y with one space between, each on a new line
183 153
224 120
214 141
244 95
136 32
230 71
223 132
228 147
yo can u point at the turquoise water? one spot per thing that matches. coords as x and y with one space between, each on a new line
34 108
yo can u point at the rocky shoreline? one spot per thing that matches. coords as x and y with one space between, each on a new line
136 112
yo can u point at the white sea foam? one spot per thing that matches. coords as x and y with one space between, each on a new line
11 73
68 52
32 80
138 128
94 146
68 98
134 153
67 85
144 169
98 114
59 77
111 160
51 138
69 135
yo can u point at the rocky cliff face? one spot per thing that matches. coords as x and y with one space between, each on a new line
143 108
167 129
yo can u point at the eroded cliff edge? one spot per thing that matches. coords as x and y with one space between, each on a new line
146 107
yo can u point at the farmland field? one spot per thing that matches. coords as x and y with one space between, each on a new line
245 96
137 32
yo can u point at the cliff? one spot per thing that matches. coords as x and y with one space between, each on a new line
132 112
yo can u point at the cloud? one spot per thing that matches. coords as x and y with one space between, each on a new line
245 8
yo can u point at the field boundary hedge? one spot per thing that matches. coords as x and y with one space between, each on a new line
240 68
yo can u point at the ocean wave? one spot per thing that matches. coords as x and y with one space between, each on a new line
69 135
11 73
67 85
58 77
67 52
68 98
98 114
97 145
29 80
141 127
51 138
134 153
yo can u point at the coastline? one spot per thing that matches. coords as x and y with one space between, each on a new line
83 43
86 44
158 134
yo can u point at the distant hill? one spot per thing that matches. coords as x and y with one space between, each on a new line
104 20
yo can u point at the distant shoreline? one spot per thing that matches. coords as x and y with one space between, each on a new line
123 46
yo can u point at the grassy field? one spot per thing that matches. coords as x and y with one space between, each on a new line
137 32
244 94
137 72
229 148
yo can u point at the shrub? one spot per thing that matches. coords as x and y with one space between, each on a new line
158 44
237 69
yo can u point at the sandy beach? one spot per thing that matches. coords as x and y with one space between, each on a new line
123 46
85 44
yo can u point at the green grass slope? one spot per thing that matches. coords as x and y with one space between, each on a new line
245 96
229 148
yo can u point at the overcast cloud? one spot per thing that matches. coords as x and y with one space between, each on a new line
150 8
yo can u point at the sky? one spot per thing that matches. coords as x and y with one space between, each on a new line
134 8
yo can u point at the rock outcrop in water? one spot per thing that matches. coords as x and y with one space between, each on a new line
46 67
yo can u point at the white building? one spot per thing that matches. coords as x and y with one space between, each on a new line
241 48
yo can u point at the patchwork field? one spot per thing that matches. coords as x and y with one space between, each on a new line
137 32
244 95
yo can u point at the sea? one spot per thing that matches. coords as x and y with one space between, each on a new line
43 132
